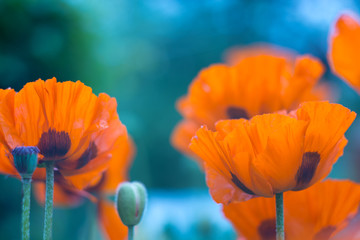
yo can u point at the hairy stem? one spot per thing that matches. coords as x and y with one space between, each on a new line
280 235
49 200
131 233
25 227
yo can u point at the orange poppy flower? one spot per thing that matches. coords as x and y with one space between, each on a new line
243 91
108 217
319 212
67 122
344 50
272 153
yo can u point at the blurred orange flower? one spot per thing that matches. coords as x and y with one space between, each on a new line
235 54
319 212
263 81
67 122
272 153
104 190
344 50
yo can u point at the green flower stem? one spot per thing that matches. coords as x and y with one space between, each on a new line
25 229
49 200
280 235
131 233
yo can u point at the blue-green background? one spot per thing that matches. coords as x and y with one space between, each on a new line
145 53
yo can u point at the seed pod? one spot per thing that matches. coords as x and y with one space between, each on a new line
130 202
25 160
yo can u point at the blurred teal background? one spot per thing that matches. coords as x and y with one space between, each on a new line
145 53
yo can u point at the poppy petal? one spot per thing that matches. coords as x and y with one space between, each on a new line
110 221
278 158
319 212
325 133
62 196
253 219
344 52
221 190
182 134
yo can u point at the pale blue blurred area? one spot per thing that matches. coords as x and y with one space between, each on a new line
183 214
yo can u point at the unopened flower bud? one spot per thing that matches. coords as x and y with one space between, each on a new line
130 202
25 160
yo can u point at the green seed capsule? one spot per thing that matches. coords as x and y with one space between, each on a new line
130 202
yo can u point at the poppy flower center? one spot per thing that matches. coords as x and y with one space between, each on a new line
267 229
236 113
310 161
54 144
89 154
240 185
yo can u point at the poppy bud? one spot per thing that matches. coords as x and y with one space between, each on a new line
25 160
130 202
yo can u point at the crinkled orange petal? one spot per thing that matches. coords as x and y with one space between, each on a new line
7 166
110 222
325 133
279 150
319 212
223 191
253 219
221 167
344 50
241 158
209 150
326 208
10 137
